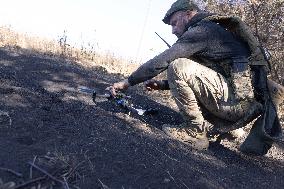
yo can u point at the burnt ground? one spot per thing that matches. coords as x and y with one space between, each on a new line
98 145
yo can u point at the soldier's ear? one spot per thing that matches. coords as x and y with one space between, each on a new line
190 13
187 14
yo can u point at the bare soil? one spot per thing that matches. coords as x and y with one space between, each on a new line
52 136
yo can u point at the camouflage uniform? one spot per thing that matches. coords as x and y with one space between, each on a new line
192 84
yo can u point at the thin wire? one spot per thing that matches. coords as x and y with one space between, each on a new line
143 30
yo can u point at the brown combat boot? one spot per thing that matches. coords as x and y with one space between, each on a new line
186 133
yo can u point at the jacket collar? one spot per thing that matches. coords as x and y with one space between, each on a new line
197 18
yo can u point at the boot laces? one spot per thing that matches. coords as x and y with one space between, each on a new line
194 132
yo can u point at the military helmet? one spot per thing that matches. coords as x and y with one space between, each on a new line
180 5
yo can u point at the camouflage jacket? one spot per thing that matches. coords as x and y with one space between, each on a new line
205 42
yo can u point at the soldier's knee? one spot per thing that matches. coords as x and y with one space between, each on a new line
182 66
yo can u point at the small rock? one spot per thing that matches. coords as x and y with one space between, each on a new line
166 180
238 133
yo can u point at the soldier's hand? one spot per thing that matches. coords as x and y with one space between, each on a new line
152 85
119 86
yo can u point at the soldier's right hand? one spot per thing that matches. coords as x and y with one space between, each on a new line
152 84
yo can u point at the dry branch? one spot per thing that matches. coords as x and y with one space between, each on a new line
11 171
24 185
46 173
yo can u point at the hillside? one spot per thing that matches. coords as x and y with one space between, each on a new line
52 136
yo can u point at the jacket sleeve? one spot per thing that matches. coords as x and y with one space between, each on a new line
193 41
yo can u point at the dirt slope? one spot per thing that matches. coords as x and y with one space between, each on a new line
90 145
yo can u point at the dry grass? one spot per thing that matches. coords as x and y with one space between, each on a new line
86 57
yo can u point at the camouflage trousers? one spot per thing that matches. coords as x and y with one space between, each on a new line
193 85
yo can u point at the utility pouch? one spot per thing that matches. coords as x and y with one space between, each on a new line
241 79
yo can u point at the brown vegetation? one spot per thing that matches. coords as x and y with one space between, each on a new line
87 57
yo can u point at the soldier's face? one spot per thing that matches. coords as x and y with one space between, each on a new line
178 22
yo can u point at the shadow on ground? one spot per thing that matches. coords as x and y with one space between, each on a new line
91 145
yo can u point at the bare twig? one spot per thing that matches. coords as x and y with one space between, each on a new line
168 172
91 166
31 168
66 183
46 173
183 184
255 9
30 182
254 2
165 154
76 187
11 171
72 170
103 185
